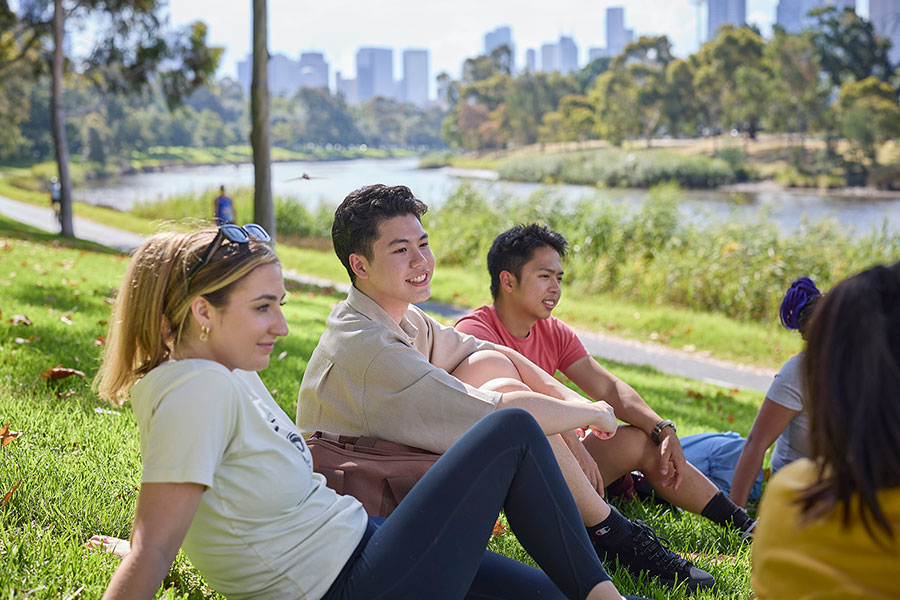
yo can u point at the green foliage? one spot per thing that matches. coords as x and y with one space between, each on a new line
739 268
868 115
848 47
619 168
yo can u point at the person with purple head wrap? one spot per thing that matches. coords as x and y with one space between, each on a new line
782 418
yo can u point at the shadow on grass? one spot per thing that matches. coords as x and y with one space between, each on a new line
17 231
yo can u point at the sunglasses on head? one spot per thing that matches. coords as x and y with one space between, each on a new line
234 234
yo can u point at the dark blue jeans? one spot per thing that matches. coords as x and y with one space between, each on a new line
432 546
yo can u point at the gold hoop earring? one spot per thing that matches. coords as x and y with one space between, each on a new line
204 333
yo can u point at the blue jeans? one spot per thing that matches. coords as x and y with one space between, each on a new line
716 456
432 545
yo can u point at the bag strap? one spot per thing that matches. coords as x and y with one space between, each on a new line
364 441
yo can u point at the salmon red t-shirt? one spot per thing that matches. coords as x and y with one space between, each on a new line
551 344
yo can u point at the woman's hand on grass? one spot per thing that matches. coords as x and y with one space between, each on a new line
107 543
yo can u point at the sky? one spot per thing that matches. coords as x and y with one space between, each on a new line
452 30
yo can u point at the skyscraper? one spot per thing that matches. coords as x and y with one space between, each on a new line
793 15
568 54
374 73
725 12
549 57
531 60
415 76
346 88
501 36
313 70
885 17
284 75
615 30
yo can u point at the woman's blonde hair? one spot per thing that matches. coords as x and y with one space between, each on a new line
153 304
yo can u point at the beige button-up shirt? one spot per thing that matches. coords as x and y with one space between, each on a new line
370 376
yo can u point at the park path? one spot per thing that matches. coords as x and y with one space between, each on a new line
663 358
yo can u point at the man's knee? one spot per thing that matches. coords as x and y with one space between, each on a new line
504 385
483 366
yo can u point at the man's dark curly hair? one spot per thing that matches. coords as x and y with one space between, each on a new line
356 220
515 247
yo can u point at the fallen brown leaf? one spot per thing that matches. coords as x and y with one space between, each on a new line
61 372
9 494
499 529
7 436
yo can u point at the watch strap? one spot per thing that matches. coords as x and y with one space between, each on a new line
654 435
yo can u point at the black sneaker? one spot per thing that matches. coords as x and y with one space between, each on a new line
645 552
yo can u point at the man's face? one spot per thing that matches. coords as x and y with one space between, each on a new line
401 267
537 290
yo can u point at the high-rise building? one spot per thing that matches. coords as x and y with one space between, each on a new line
531 60
501 36
725 12
245 73
615 30
595 53
346 88
549 57
415 76
374 73
793 15
283 74
885 17
313 70
568 54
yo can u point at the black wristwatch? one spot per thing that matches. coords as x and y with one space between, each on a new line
654 435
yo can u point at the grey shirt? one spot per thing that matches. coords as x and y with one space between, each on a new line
372 376
788 391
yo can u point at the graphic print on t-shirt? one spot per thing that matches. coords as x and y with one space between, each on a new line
290 435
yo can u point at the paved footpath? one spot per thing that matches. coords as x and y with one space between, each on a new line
663 358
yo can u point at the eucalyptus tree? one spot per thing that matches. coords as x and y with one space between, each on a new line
263 207
131 49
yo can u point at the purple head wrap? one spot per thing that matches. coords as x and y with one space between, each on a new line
795 299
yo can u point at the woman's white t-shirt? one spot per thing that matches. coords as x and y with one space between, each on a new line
787 389
266 527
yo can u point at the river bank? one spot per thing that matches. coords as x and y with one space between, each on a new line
769 164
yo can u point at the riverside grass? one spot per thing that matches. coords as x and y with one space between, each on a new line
78 458
711 287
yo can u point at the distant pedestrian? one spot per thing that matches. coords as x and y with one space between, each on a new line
223 208
55 197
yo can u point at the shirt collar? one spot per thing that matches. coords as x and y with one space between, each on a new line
358 301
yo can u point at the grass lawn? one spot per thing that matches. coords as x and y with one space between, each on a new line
75 468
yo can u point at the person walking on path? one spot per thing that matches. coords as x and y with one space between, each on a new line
223 208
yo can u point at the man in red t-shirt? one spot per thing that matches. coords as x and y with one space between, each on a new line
525 264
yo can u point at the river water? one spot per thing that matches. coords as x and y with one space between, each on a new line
330 181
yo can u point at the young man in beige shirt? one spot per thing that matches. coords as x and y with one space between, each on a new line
385 369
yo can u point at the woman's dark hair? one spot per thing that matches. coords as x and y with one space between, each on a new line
798 304
356 220
515 247
852 372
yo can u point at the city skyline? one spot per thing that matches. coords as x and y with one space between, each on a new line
451 31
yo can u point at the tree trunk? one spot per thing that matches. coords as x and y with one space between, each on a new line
263 208
58 120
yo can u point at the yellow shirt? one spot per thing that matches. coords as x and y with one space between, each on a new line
821 559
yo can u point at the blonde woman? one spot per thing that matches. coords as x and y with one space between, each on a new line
227 477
